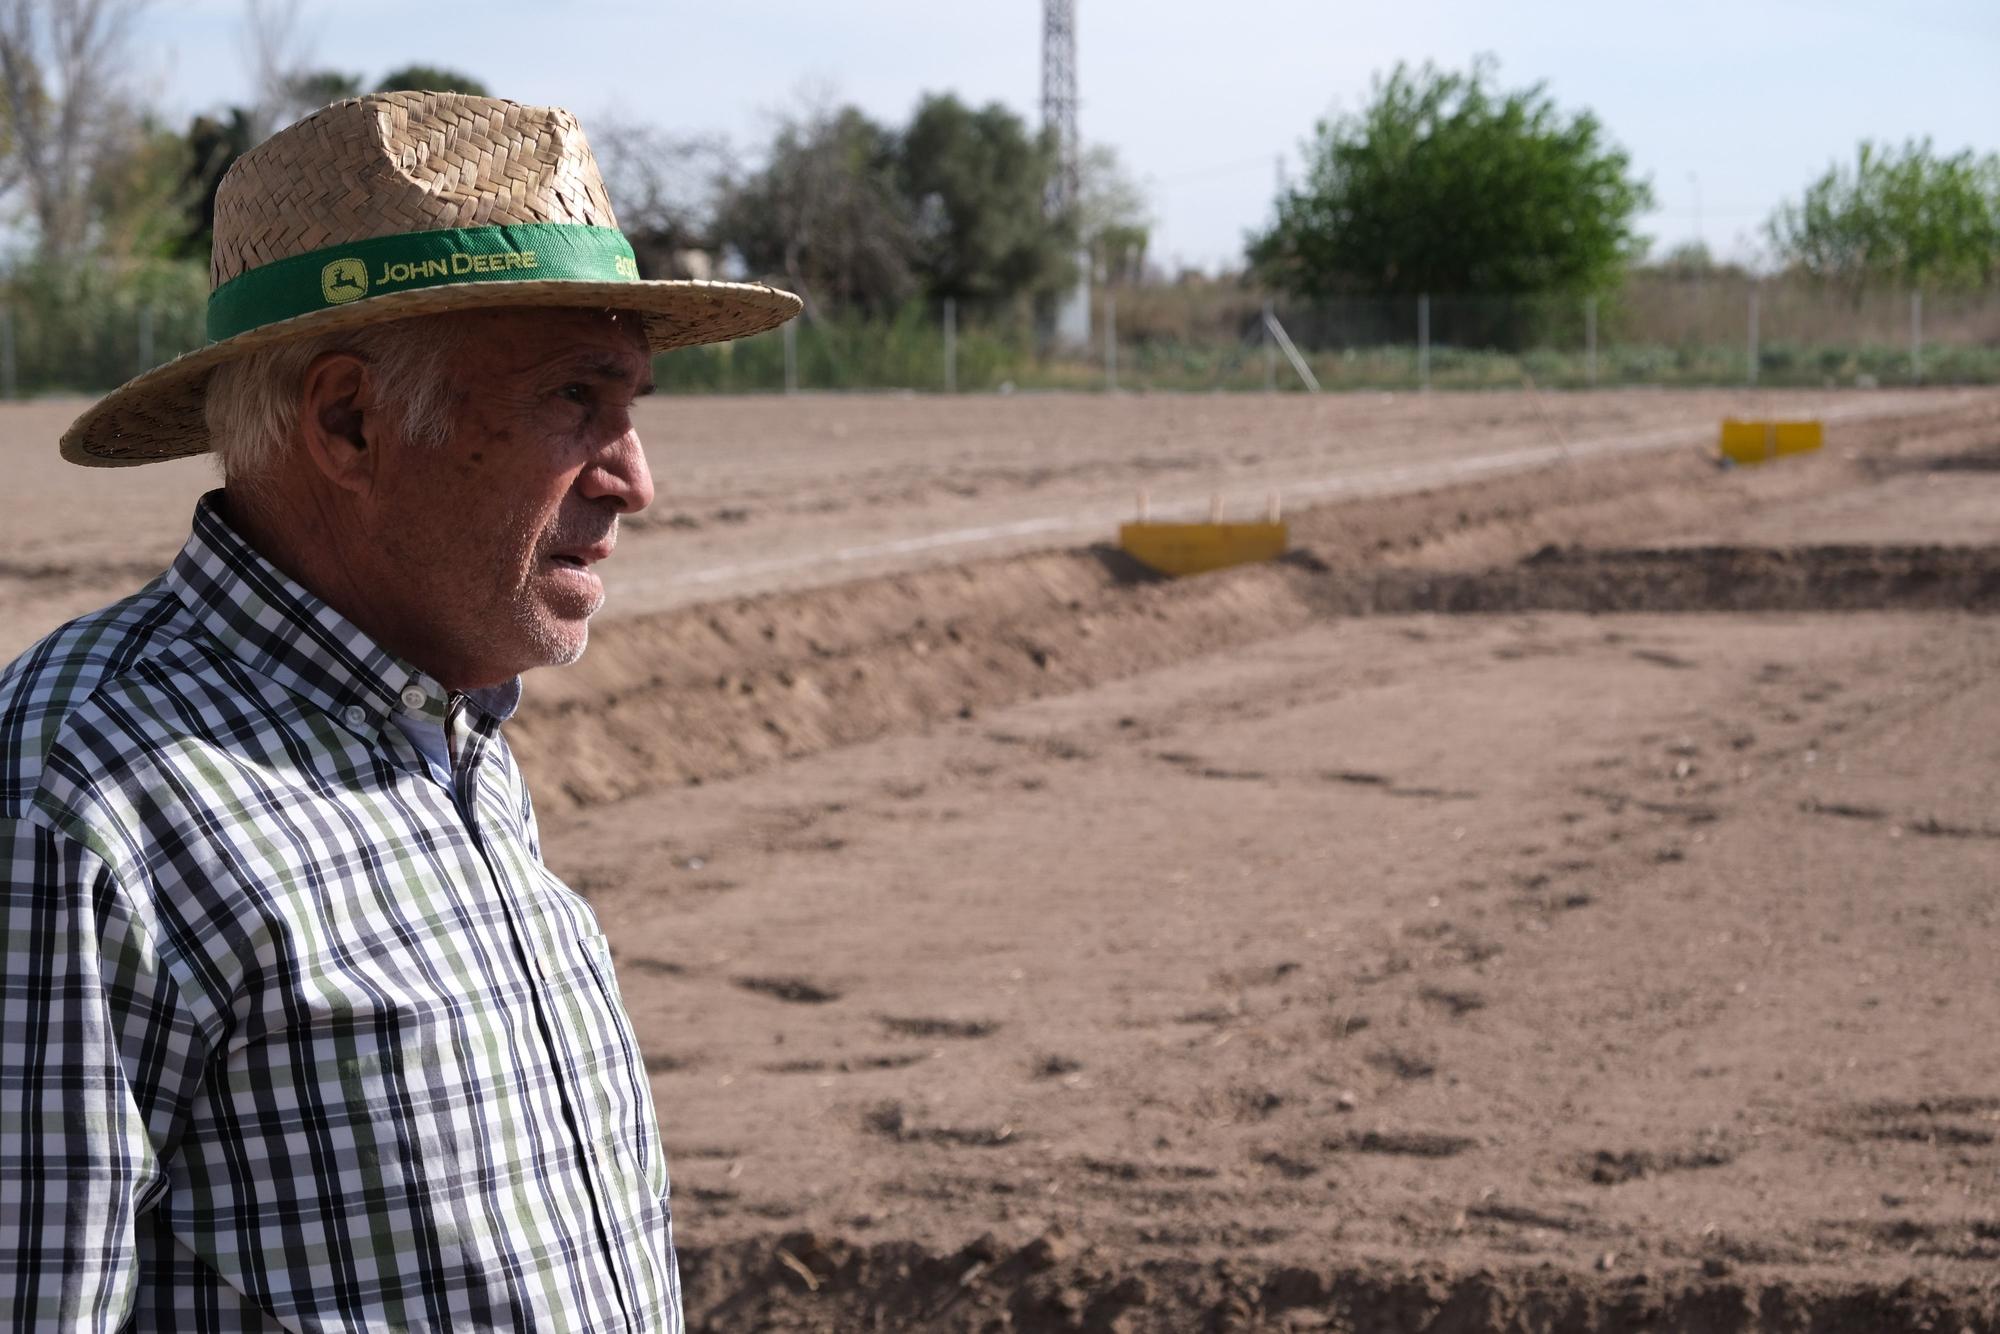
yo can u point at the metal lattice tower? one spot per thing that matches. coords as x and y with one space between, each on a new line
1059 102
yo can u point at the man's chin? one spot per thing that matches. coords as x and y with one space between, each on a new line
544 641
571 648
561 623
561 643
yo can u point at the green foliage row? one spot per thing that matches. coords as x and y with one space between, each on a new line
89 327
755 368
905 351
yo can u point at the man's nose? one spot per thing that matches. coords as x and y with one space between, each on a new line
619 473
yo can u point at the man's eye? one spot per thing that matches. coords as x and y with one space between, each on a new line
575 393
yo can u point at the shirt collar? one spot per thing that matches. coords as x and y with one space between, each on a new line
277 628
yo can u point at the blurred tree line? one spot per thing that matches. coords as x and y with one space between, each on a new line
855 215
1441 182
851 213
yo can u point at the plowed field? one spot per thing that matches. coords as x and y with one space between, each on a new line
1561 894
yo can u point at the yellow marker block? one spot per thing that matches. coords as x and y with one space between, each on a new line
1196 548
1749 442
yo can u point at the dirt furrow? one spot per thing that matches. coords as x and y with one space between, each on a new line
706 692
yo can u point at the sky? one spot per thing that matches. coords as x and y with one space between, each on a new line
1727 107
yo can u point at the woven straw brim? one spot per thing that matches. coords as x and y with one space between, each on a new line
159 415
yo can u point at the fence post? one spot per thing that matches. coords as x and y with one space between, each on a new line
1750 365
1590 341
1111 340
146 361
1917 337
950 346
791 356
1424 341
10 386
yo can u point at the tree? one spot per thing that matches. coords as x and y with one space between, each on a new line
665 189
310 90
275 46
975 180
823 214
1905 216
1689 259
140 195
61 62
430 79
1443 183
278 45
1112 218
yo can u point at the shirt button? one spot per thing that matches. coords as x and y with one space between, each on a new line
355 715
414 697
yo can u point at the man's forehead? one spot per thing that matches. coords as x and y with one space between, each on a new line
613 342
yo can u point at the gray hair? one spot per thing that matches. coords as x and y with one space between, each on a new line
252 404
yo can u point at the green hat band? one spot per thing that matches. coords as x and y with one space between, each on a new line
338 275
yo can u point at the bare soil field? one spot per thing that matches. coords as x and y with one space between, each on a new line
1560 895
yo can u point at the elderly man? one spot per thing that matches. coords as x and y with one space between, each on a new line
298 1031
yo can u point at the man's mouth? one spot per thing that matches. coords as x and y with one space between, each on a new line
581 557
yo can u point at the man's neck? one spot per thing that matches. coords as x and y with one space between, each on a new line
311 546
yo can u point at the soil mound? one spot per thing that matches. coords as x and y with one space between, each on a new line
700 693
802 1282
693 696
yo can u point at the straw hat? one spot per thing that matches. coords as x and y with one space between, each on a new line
400 204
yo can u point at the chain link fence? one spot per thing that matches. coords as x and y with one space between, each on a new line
82 336
1708 332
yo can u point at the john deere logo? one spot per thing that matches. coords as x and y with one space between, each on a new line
343 280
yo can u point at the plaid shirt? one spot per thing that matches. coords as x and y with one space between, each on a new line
293 1034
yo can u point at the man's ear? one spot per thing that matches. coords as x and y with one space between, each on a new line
335 420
